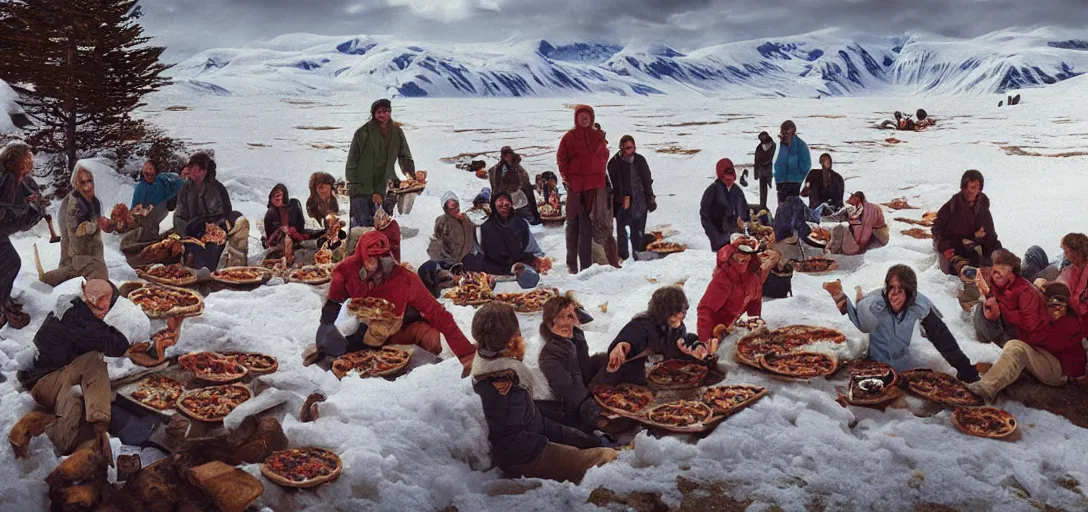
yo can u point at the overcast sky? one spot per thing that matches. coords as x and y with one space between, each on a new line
188 26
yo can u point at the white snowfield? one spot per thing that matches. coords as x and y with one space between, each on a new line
419 442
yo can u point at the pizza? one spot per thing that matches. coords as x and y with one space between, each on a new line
475 288
988 422
752 323
310 274
548 211
174 274
752 348
302 468
871 383
158 392
810 334
623 398
242 275
899 203
726 400
372 308
323 256
255 364
213 234
870 369
213 403
676 374
760 232
121 218
160 301
799 365
167 249
814 265
663 247
940 387
820 236
528 302
682 413
918 233
371 363
213 367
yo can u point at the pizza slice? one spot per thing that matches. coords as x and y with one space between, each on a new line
158 392
302 468
160 301
212 367
676 374
626 399
174 274
213 403
682 413
727 400
799 365
989 422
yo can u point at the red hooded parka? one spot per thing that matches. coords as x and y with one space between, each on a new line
583 155
734 289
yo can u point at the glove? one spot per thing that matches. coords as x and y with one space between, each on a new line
969 374
652 206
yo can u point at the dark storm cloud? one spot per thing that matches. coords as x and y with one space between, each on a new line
187 26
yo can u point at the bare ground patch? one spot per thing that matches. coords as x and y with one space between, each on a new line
827 116
177 108
316 145
256 145
693 123
457 158
318 128
676 150
1020 151
821 147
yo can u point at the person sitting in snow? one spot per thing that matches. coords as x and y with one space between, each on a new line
70 345
510 177
861 227
524 442
203 200
567 366
964 233
375 148
81 226
19 211
157 193
1048 348
322 201
735 289
824 188
659 332
723 209
453 242
371 271
385 224
924 121
889 316
284 226
1074 277
508 247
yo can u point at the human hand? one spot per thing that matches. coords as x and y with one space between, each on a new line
834 287
627 202
1040 283
104 224
981 233
376 199
618 356
949 254
859 293
983 286
466 363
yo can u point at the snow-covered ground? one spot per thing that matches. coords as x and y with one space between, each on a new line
419 443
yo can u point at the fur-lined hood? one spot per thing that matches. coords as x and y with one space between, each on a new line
532 381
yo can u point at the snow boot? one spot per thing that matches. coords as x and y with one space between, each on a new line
31 425
15 316
309 407
311 355
612 253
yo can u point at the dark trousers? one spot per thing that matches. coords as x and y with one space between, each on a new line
580 228
636 222
9 268
786 190
428 273
1034 262
362 210
764 188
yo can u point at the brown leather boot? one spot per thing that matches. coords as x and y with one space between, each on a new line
29 426
612 252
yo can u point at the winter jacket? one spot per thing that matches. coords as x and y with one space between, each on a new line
565 364
719 210
1076 279
793 162
207 203
60 340
453 238
890 334
392 232
505 242
582 155
16 213
644 334
790 218
764 162
734 289
1023 307
624 178
402 287
272 221
956 221
819 193
80 236
516 183
869 226
516 430
166 187
370 160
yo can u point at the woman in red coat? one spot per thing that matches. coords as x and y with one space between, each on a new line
736 288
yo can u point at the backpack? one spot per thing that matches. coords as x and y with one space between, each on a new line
779 283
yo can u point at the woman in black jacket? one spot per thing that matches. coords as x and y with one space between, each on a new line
764 167
823 187
632 195
568 367
284 224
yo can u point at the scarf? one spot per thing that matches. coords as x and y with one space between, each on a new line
532 381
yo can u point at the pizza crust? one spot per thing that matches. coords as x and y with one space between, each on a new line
960 414
146 275
306 484
265 275
176 311
208 419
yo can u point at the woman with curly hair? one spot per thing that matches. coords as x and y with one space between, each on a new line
322 200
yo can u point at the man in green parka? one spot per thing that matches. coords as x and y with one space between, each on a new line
376 146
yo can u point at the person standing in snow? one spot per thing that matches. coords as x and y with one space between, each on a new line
793 162
419 319
736 288
632 197
889 317
508 247
723 209
824 188
81 226
204 200
524 442
1048 348
764 167
156 191
375 148
18 212
582 158
964 233
510 177
861 227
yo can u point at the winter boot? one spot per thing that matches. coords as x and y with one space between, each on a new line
744 178
15 316
612 252
309 407
311 355
31 425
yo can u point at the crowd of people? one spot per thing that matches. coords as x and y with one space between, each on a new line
540 425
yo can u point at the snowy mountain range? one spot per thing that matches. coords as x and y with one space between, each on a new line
824 63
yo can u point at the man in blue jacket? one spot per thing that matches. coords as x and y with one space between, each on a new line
157 192
792 164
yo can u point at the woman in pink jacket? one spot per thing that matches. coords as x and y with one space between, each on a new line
862 227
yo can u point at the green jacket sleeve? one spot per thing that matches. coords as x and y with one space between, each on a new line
351 168
407 165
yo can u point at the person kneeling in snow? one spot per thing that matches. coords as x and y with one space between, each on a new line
659 331
524 443
889 317
736 288
81 226
419 319
861 227
453 242
1048 348
71 343
508 246
203 200
964 233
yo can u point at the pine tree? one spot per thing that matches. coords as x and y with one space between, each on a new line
87 65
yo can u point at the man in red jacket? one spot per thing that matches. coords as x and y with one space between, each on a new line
736 288
1047 348
582 159
418 318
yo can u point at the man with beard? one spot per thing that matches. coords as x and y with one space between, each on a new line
81 225
203 203
964 233
582 159
375 147
418 318
18 212
508 246
524 443
510 177
157 192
